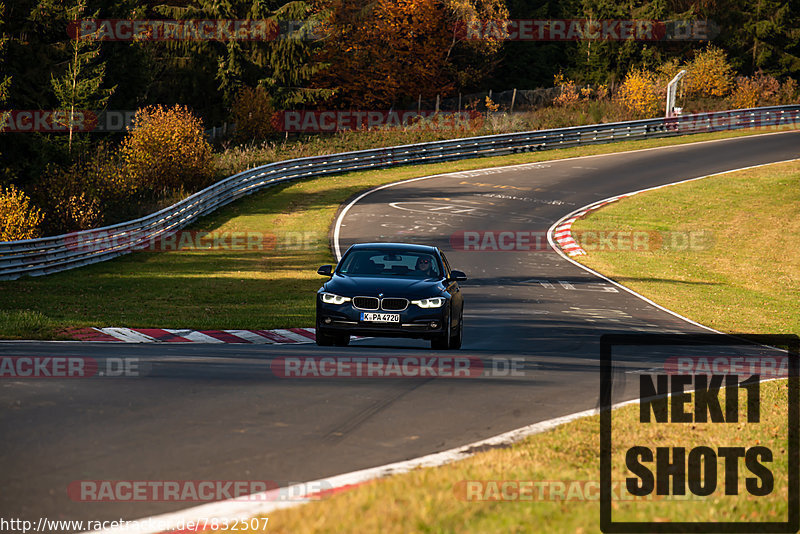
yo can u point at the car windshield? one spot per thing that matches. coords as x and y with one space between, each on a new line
390 263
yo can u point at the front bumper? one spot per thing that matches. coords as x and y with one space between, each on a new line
415 322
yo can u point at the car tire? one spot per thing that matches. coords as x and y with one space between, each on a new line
341 340
442 342
455 340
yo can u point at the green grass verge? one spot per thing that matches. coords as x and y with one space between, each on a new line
746 279
211 289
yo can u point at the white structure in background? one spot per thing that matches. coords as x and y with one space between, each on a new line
671 89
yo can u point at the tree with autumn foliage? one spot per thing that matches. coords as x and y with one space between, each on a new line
639 94
388 52
709 74
18 218
165 150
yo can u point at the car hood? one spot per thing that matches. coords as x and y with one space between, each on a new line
368 286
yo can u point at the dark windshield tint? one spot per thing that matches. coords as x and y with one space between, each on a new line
390 263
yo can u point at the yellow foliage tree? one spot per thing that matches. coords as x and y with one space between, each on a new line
758 90
569 92
639 94
166 150
18 218
745 95
709 74
788 92
79 197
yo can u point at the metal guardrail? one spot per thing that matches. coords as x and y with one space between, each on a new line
36 257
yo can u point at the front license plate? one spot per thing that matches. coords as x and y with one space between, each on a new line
380 317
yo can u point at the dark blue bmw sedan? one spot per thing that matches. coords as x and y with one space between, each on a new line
391 290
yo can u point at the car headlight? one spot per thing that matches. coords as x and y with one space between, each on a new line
435 302
330 298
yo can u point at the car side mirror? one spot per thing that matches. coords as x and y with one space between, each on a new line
325 270
458 276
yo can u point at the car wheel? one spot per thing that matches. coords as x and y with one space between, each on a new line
455 340
442 342
341 340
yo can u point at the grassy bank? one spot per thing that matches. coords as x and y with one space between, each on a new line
741 274
262 288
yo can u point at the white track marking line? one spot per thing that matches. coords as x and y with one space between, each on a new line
337 250
544 283
250 336
128 335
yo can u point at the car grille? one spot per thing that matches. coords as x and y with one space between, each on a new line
365 303
392 304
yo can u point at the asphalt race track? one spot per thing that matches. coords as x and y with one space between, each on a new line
216 412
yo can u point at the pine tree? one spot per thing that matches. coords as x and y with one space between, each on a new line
292 58
230 71
233 64
768 30
81 86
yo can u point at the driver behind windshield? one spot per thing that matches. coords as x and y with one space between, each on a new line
425 267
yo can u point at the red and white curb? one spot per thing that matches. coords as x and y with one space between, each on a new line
169 335
562 234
